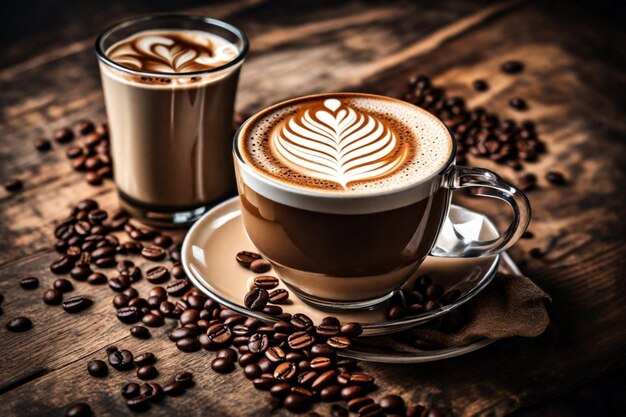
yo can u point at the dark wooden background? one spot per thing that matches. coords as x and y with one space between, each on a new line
575 84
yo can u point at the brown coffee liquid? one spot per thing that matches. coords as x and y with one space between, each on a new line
171 134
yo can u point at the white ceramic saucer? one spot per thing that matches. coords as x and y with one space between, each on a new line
210 246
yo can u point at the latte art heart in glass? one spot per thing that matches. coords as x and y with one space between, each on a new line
347 143
173 51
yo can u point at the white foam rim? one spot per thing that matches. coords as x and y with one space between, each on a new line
339 203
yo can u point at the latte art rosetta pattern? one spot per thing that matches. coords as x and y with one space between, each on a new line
338 143
170 52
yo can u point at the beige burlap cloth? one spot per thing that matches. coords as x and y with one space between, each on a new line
511 305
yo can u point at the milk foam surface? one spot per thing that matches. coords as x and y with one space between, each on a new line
347 143
172 51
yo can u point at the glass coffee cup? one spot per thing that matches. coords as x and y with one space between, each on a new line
169 85
346 193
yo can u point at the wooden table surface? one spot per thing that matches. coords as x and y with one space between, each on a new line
576 88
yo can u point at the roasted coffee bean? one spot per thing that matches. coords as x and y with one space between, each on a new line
518 103
371 410
111 349
121 359
301 322
97 368
361 379
431 305
62 265
188 344
227 353
392 403
153 320
96 278
264 383
178 287
105 262
154 390
153 253
356 404
339 342
339 411
480 85
327 378
434 291
178 271
181 333
147 372
285 371
29 283
265 364
247 359
168 309
80 272
222 365
185 378
256 299
163 241
85 126
266 282
19 324
103 252
173 388
352 329
330 393
76 304
43 145
259 343
130 390
129 315
196 301
275 354
158 292
139 403
278 296
219 334
512 67
272 310
119 283
252 371
189 316
306 378
352 391
260 266
146 358
297 403
556 178
245 258
395 313
140 332
322 349
120 300
63 285
63 135
320 363
78 410
343 378
300 340
157 274
328 329
133 273
280 389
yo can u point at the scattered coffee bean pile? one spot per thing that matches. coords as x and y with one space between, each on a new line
480 133
93 154
425 296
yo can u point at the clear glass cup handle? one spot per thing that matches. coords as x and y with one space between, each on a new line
487 184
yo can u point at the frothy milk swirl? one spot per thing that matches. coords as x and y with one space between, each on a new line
336 142
172 51
345 142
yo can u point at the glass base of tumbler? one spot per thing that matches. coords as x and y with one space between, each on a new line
162 216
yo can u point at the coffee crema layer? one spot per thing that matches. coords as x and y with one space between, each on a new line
172 51
345 142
